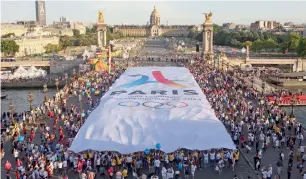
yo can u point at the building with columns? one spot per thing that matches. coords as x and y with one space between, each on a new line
154 28
33 45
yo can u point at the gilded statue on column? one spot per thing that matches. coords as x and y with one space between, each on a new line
100 17
208 17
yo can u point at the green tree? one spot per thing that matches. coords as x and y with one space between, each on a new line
257 46
50 48
255 36
235 35
293 41
247 43
9 46
217 28
269 45
91 30
235 42
8 35
76 32
66 41
301 49
266 35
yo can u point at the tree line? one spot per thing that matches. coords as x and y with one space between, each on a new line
90 38
259 41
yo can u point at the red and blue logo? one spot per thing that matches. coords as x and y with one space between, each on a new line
159 77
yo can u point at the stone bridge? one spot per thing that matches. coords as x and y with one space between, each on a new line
26 63
297 63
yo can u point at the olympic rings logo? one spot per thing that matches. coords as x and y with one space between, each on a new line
153 104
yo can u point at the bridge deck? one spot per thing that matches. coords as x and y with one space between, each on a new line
25 63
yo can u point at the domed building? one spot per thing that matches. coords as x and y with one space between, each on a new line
154 28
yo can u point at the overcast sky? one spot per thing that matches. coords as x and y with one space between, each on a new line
173 12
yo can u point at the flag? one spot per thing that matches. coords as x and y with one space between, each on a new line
93 61
101 66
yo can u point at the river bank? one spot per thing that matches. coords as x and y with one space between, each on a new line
30 84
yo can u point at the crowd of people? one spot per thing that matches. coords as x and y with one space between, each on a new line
254 123
38 144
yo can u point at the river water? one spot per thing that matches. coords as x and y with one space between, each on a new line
20 98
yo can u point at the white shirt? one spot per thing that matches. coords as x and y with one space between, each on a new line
193 169
129 159
64 163
264 174
212 156
16 153
60 164
269 173
157 163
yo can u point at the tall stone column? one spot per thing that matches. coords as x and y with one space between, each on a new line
247 54
208 33
101 30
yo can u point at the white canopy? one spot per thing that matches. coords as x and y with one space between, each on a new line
150 105
32 69
20 69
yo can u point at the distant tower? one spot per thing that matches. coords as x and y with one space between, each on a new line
40 12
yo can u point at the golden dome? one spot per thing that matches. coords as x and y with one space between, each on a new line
154 13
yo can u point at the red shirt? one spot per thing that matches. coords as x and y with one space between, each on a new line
242 138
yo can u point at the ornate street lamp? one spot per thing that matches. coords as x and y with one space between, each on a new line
252 80
12 110
56 83
243 50
74 73
45 91
263 86
30 100
222 64
292 105
80 100
66 78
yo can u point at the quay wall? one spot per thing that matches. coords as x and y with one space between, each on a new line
292 83
29 84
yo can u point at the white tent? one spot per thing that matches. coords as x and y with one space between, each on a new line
32 69
150 105
20 69
88 54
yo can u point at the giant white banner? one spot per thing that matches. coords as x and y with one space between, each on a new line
150 105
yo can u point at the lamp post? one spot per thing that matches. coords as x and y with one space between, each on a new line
263 85
252 80
243 50
45 91
227 66
30 100
292 105
12 110
74 73
66 78
222 64
218 61
56 83
80 100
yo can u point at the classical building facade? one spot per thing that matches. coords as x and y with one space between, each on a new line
17 29
154 28
33 45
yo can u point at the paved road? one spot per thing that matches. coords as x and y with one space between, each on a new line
243 170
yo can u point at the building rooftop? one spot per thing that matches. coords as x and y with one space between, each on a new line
28 37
